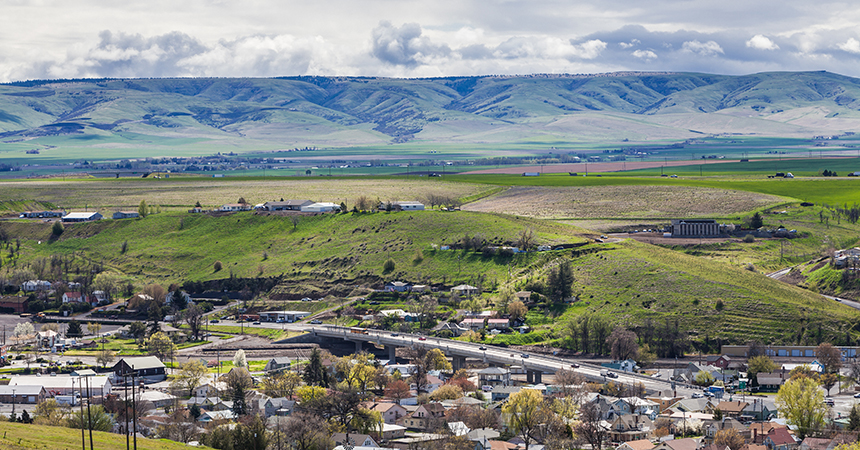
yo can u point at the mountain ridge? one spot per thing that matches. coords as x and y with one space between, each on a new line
391 110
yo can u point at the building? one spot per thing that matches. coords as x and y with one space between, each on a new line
278 363
23 394
82 217
695 228
789 350
17 304
321 207
407 206
286 205
65 385
126 215
355 439
397 286
630 427
232 207
77 297
391 412
283 316
42 214
36 285
464 290
426 417
494 376
148 368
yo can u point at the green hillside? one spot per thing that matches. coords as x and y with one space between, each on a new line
18 436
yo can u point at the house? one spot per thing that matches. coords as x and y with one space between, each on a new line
524 296
473 324
126 215
712 427
397 286
209 389
23 394
760 409
64 384
355 439
321 207
630 427
216 416
760 430
732 409
498 324
678 444
392 431
47 338
419 288
639 444
426 417
157 398
278 363
433 383
494 376
42 214
636 405
279 406
17 304
407 206
721 361
82 217
770 381
464 290
77 297
286 205
391 412
663 403
232 207
628 365
148 368
779 439
812 443
36 285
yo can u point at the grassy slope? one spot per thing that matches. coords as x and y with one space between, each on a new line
18 436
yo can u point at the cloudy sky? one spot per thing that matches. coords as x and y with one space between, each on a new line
407 38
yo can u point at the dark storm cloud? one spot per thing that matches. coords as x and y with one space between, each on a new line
404 45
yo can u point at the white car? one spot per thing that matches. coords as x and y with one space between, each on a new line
697 395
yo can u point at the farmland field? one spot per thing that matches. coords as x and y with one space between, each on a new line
181 193
591 202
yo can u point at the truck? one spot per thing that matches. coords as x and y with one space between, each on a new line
71 400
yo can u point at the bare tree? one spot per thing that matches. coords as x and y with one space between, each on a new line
305 431
623 344
589 427
193 316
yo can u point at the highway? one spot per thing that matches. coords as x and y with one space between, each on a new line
499 356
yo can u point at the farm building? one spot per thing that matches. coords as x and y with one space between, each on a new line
126 215
695 228
286 205
82 217
321 207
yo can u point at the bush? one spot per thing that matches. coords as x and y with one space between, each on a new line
389 265
749 238
58 228
217 266
719 306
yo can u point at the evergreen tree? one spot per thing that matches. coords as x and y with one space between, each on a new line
560 282
854 418
74 329
315 374
756 221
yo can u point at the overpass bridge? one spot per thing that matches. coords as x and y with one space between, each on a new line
534 364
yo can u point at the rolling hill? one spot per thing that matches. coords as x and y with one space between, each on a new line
279 113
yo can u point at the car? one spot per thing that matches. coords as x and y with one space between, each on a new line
575 365
829 401
612 375
316 322
709 394
657 375
697 395
482 348
395 334
214 321
422 338
306 299
256 323
857 395
525 355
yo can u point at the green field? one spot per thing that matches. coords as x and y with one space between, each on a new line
18 436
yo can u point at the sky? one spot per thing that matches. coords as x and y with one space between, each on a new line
50 39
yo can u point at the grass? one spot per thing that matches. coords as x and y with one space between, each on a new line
270 333
17 436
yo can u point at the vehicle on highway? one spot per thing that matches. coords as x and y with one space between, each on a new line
857 395
214 321
612 375
422 338
697 395
306 299
316 322
525 355
829 401
395 334
575 365
657 375
255 323
482 348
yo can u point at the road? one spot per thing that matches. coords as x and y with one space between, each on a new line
502 356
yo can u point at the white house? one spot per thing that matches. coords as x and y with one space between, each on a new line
407 206
465 290
231 207
36 285
82 217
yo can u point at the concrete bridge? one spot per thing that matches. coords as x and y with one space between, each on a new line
534 364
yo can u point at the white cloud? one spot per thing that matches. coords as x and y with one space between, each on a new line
851 45
632 43
644 54
761 42
709 48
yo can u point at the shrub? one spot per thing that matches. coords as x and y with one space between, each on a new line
217 266
750 267
388 266
58 228
749 238
719 306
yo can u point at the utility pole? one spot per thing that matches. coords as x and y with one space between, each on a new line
89 414
133 408
81 388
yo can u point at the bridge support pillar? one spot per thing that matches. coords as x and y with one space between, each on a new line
458 362
533 376
391 352
358 346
